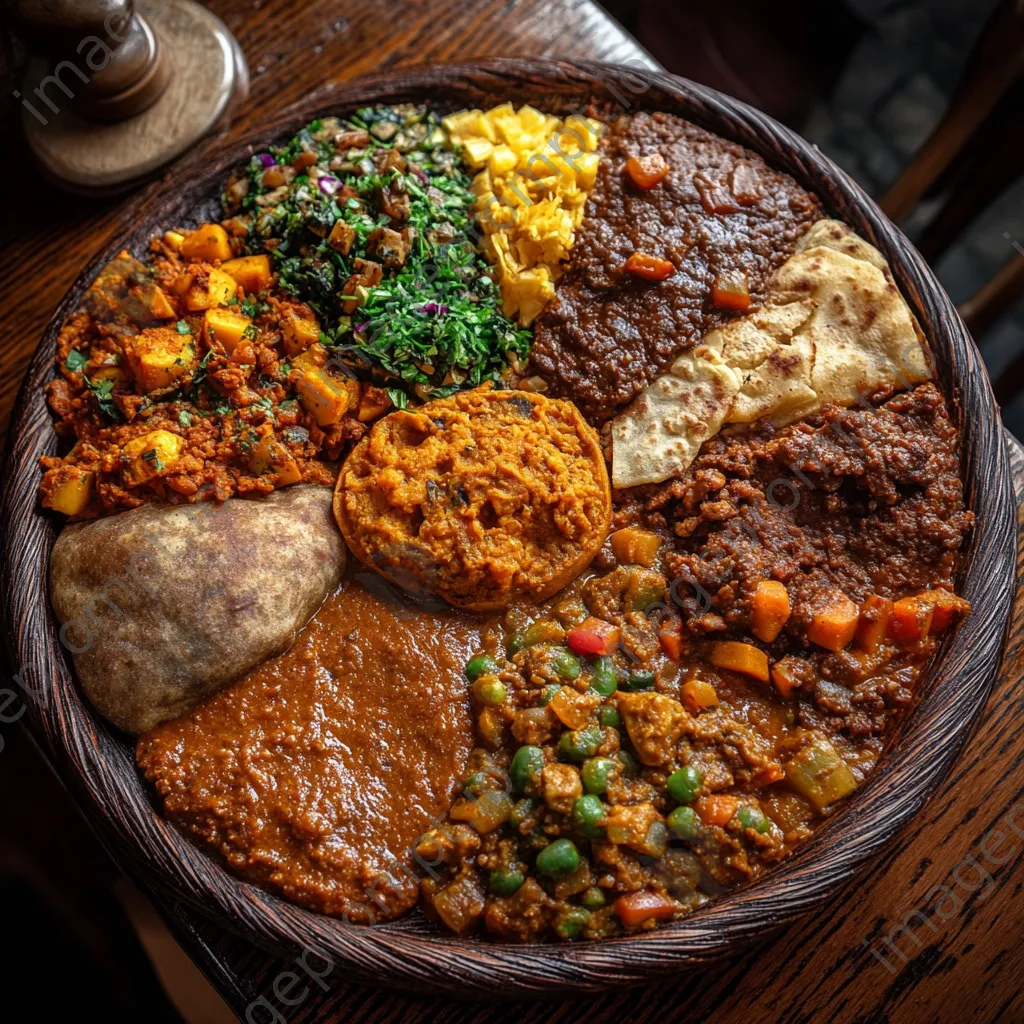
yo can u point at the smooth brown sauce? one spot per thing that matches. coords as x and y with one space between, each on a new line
316 773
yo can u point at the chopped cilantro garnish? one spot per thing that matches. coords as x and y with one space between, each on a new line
75 361
103 391
183 327
434 324
185 418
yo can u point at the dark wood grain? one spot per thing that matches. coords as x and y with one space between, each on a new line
53 237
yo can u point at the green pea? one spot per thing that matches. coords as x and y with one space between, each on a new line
593 898
595 773
684 785
515 643
579 744
587 815
683 821
547 695
489 691
628 762
505 881
522 810
558 859
609 716
753 817
604 676
525 768
640 679
566 664
482 664
571 922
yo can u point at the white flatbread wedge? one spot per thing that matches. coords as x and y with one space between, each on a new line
833 329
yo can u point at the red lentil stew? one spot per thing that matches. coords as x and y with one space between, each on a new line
713 684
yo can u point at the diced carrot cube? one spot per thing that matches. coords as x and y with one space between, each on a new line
638 907
835 622
873 623
947 608
740 657
911 620
671 642
716 808
770 610
785 674
731 291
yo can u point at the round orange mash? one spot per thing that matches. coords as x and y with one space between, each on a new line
478 498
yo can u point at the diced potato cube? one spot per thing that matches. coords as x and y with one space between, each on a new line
151 455
270 454
182 283
207 242
174 239
220 289
312 359
477 151
325 397
160 306
159 357
226 326
374 402
299 333
251 272
501 161
74 491
114 373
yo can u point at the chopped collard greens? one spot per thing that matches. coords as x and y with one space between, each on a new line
369 221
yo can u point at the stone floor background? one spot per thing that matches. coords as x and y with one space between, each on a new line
891 94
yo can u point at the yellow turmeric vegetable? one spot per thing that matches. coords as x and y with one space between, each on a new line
226 326
73 493
159 357
299 333
251 272
208 242
151 455
325 397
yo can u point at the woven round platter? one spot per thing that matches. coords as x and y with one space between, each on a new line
97 764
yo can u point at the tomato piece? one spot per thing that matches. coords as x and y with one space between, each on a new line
731 291
650 268
593 636
638 907
647 172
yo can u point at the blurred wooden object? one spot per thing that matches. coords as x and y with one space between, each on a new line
110 97
993 68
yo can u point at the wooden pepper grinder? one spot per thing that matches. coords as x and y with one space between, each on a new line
116 89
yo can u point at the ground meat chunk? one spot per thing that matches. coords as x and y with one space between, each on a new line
721 210
654 723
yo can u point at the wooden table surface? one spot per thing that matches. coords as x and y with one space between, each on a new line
954 876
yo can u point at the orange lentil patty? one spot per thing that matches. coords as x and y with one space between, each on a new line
478 498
